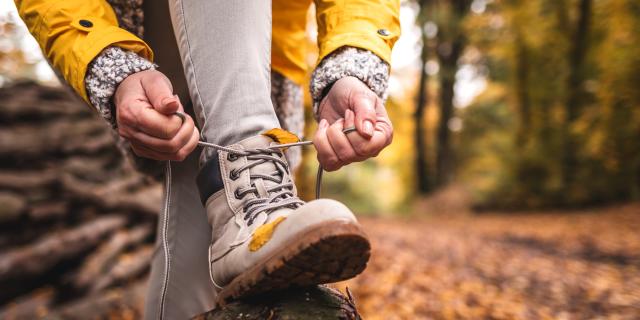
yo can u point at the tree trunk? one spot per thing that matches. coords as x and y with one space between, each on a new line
451 43
522 97
575 92
422 165
315 303
448 67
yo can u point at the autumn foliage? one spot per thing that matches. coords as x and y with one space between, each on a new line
537 265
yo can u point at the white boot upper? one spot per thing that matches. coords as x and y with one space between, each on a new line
234 219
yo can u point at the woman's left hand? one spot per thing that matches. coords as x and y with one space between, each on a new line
350 103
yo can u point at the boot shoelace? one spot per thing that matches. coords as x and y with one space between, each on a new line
281 195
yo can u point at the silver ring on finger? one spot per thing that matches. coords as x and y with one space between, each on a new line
181 115
349 130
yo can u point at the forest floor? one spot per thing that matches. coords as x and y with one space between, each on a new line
536 265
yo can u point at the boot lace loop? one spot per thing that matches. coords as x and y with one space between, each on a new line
279 196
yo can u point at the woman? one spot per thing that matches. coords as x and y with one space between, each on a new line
241 228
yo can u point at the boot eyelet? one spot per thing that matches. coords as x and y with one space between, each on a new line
236 194
233 175
232 157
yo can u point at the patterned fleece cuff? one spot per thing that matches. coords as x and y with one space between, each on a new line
104 75
349 62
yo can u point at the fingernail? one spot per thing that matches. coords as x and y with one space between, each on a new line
368 127
324 124
167 101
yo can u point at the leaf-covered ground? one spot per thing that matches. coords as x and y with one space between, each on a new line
551 265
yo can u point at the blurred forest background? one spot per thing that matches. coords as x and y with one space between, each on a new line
526 111
528 104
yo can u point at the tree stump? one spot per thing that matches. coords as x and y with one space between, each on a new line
313 303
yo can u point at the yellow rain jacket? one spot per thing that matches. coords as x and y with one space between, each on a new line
71 33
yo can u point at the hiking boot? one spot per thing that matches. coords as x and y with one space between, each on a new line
263 236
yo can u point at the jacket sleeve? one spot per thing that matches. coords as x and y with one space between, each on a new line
373 25
355 39
71 33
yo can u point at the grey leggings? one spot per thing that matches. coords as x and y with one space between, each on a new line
224 47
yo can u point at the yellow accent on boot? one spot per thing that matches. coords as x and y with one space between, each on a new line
263 234
281 136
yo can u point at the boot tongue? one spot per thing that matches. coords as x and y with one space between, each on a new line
257 141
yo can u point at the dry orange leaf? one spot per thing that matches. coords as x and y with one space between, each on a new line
281 136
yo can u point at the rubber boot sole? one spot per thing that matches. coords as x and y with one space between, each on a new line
331 252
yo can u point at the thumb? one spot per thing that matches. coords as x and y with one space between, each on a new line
169 105
365 112
160 93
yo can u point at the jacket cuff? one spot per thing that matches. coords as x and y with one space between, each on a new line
105 73
349 62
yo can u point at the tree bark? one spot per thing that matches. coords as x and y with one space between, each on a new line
522 97
145 200
315 303
448 67
124 303
44 254
422 165
575 92
65 190
451 44
99 262
127 267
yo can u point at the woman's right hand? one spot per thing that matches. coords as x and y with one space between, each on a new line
145 114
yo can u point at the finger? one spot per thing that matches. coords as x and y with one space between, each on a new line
166 145
157 124
326 156
383 123
189 147
349 119
170 106
142 151
160 93
363 105
341 145
349 122
368 147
